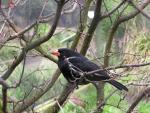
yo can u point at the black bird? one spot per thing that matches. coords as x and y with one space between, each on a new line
74 66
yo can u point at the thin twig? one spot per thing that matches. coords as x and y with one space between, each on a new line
141 11
118 67
113 10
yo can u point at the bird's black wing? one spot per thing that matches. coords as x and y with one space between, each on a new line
87 66
74 67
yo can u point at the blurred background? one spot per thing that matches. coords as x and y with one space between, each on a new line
130 45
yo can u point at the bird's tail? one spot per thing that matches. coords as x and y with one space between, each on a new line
118 85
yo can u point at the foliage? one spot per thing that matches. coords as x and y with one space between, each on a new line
88 95
143 42
33 77
111 109
9 51
144 107
42 69
58 39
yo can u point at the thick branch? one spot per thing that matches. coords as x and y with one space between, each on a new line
4 92
94 23
138 99
88 37
44 54
82 24
69 88
62 98
3 83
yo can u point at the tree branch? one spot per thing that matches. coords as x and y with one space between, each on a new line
69 87
94 23
82 24
37 93
36 43
113 10
118 67
141 11
138 99
115 27
4 93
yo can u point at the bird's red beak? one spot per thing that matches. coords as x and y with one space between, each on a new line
56 53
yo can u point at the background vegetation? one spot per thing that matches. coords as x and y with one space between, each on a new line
29 76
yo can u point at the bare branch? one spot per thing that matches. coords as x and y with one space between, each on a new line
38 93
36 43
52 30
69 88
22 73
133 14
99 107
118 67
22 32
94 23
44 54
113 10
115 27
8 20
3 83
138 99
15 63
141 11
82 24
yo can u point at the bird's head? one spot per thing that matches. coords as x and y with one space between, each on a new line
65 53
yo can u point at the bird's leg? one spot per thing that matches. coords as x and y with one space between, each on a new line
77 85
75 82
